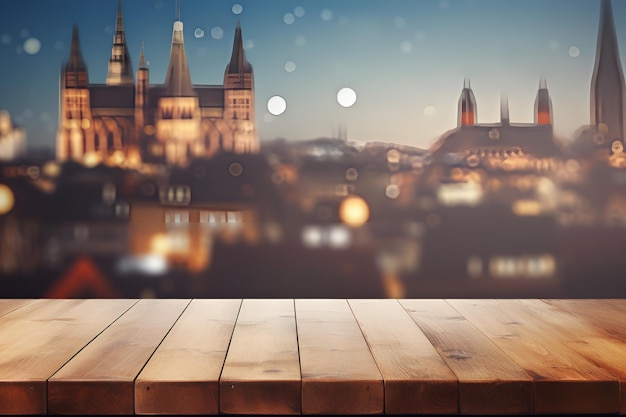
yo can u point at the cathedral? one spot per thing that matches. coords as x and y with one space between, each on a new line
606 132
128 121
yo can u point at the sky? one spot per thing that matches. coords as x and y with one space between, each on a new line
405 59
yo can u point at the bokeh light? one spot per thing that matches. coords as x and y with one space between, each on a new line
429 111
346 97
7 199
574 51
300 41
289 18
290 66
237 9
217 32
354 211
198 33
298 11
327 15
276 105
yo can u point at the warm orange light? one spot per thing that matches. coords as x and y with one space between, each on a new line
467 118
543 118
160 244
354 211
7 199
91 159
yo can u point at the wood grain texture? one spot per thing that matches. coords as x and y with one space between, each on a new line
580 335
489 381
565 382
417 380
605 315
339 374
183 374
39 338
100 379
8 305
261 374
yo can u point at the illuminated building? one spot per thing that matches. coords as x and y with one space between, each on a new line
12 139
543 105
124 120
608 108
502 140
467 106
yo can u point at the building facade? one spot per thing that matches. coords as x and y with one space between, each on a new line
12 138
128 120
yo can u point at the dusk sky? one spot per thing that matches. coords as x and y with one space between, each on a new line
405 59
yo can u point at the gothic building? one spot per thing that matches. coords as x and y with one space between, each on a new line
501 139
608 93
128 120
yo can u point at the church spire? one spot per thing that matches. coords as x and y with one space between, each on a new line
178 80
467 113
143 64
608 105
75 71
543 105
120 67
238 63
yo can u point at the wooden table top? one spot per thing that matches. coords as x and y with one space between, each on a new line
312 356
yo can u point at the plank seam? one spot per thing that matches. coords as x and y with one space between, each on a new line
81 349
369 347
219 380
17 308
532 379
295 317
155 349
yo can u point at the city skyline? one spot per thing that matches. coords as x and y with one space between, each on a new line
405 60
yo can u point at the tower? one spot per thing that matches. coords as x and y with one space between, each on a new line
467 113
178 114
543 105
75 137
608 108
505 120
120 67
141 92
239 99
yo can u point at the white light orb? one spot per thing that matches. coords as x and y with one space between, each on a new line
276 105
429 111
289 18
217 33
290 66
574 51
298 11
346 97
32 46
237 9
327 15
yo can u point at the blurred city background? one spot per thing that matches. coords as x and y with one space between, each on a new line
166 189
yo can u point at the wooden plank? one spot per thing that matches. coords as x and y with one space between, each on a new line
565 382
39 338
489 381
339 374
580 335
8 305
605 315
100 379
417 380
261 373
183 374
